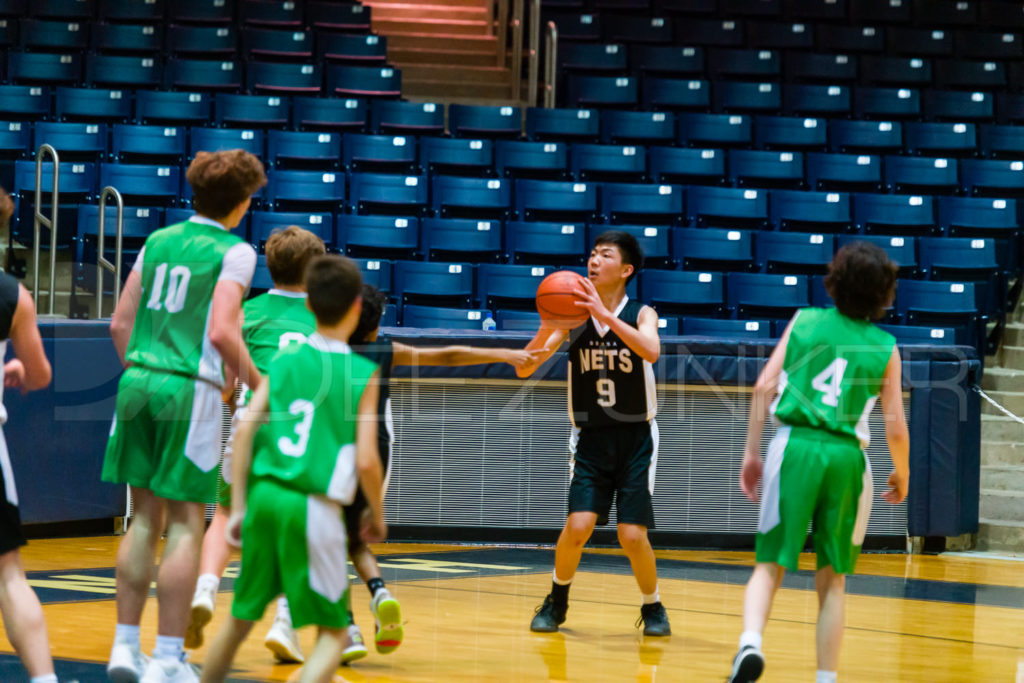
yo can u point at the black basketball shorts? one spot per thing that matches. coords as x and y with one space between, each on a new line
354 512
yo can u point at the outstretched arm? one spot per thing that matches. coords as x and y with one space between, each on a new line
544 344
458 355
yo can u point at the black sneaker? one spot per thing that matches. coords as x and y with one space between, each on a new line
747 666
654 619
548 616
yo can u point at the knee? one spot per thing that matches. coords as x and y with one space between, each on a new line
579 530
632 537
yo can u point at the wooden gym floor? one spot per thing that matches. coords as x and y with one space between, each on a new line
467 611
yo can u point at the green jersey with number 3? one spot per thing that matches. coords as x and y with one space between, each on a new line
179 273
309 442
832 372
272 321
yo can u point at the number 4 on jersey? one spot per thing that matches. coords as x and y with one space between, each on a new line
828 380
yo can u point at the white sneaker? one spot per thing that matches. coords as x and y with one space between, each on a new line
388 614
166 671
356 648
284 642
202 612
126 663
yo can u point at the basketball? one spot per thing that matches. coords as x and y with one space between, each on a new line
556 300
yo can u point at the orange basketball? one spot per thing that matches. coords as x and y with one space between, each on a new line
556 300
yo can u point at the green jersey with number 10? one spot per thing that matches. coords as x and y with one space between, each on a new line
832 373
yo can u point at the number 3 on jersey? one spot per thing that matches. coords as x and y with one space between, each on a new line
828 380
297 448
177 288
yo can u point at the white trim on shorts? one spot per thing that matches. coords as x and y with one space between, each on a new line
326 547
860 527
202 445
653 467
10 490
769 516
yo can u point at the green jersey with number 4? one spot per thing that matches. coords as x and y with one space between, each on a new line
832 373
272 321
309 443
179 273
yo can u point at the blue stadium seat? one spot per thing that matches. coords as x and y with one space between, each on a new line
715 130
377 273
637 28
683 292
844 38
557 200
886 103
363 81
880 12
8 32
728 33
473 121
901 250
713 249
759 295
921 174
334 114
952 13
173 215
744 96
391 153
873 137
756 168
914 334
964 258
821 299
592 57
470 239
655 242
789 252
732 329
122 71
523 159
978 217
389 318
284 78
816 100
203 74
844 172
811 211
818 9
945 304
992 177
263 223
894 214
36 68
989 45
559 244
73 141
380 236
570 125
627 127
148 144
305 189
24 101
200 12
136 12
54 36
727 207
175 108
307 149
827 68
743 64
912 72
510 286
790 133
139 39
217 139
955 105
267 13
203 41
1010 108
93 104
995 13
668 59
261 280
144 183
251 110
675 93
642 203
398 117
608 162
434 281
457 156
471 197
752 8
351 48
961 74
337 16
64 9
78 183
137 224
684 165
434 317
602 91
1002 142
15 143
781 35
517 321
388 194
945 139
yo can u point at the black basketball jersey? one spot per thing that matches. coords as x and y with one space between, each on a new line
381 351
608 382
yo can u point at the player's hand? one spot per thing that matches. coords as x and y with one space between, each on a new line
750 475
521 357
373 529
898 482
14 374
591 300
233 531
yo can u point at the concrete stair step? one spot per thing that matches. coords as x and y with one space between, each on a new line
1013 334
1011 357
994 535
1011 400
1002 477
437 27
409 56
423 40
398 12
1002 379
441 90
1001 505
459 73
1002 453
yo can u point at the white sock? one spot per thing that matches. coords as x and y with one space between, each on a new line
560 582
826 676
48 678
208 582
282 609
651 598
750 639
169 648
127 634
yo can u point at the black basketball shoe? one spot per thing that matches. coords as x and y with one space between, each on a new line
548 616
747 666
654 619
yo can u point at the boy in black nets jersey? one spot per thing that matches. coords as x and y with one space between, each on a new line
614 442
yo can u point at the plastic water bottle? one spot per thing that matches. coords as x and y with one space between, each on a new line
489 325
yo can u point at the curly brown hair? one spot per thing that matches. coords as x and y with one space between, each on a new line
222 180
862 280
289 251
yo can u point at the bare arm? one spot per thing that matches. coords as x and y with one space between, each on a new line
896 433
457 355
544 343
241 458
123 320
226 332
368 467
28 345
642 340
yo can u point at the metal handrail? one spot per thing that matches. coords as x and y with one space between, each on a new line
550 62
533 56
502 32
101 260
517 49
50 223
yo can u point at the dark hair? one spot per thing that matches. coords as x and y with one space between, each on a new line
630 249
332 284
288 253
862 280
222 180
374 302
